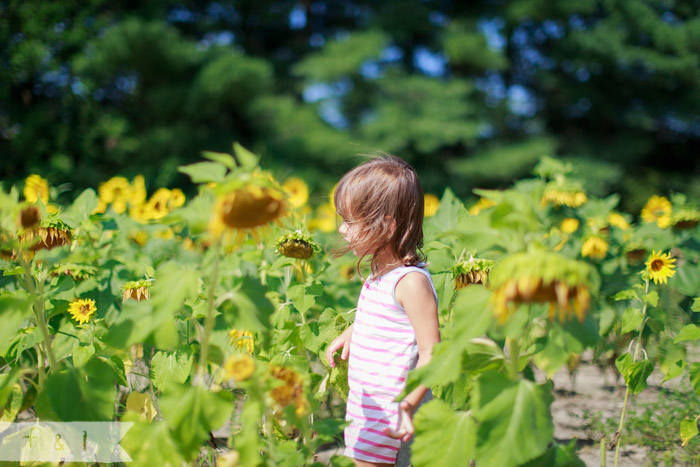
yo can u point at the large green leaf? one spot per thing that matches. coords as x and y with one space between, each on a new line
14 309
192 412
694 372
171 367
204 172
689 332
301 298
513 418
149 443
635 373
443 436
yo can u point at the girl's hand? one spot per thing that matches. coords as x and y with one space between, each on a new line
405 429
343 341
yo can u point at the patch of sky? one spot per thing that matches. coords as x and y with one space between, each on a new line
493 87
127 84
392 53
318 8
491 29
59 27
297 17
577 23
342 34
77 87
317 40
330 112
370 69
430 63
55 78
180 14
553 28
220 11
216 38
582 75
520 101
670 18
320 91
678 124
485 130
437 18
98 94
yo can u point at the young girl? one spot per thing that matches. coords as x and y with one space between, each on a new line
396 323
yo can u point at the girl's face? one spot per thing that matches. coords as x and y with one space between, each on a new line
350 231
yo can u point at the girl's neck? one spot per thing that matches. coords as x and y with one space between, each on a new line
384 263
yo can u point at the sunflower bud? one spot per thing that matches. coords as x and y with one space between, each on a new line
136 290
471 271
297 245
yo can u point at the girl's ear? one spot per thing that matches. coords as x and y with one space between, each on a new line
391 224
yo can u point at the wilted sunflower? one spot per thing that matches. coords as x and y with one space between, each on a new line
471 271
660 267
51 234
483 203
291 391
248 207
35 188
297 192
82 309
431 203
136 290
242 340
79 272
569 225
542 277
685 218
564 193
239 367
297 245
29 217
634 251
595 247
657 209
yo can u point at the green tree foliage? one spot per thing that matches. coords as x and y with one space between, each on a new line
472 93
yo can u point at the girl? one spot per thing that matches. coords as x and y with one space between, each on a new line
396 322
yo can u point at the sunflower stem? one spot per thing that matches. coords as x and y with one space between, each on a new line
627 388
514 350
209 320
39 311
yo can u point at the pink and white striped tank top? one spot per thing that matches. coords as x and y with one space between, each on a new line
382 351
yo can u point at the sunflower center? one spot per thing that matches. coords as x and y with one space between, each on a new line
657 265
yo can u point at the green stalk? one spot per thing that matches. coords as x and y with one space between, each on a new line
602 451
627 389
39 312
209 320
514 350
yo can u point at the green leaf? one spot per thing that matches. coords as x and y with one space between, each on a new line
149 443
300 297
635 373
204 172
192 412
14 309
689 430
7 382
447 215
82 208
245 158
696 305
514 423
694 373
652 298
171 367
220 157
631 320
436 424
628 294
82 354
558 456
249 442
689 332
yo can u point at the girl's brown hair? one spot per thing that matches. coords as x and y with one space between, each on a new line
374 193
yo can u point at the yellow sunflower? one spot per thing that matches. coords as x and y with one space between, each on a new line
242 340
325 219
569 225
239 367
660 267
177 198
563 196
137 191
35 188
157 206
117 192
431 204
595 248
617 220
82 309
297 192
657 209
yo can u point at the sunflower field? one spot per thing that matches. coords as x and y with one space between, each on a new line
203 320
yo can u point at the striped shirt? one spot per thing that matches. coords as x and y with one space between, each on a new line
382 351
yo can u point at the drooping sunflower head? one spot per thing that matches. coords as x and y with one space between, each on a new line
685 219
248 205
136 290
29 217
660 267
291 389
658 210
431 203
542 277
595 247
79 272
635 251
82 309
471 271
50 234
564 193
36 188
297 192
297 245
242 340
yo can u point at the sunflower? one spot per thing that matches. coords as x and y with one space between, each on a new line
635 251
29 217
82 309
542 277
618 220
247 208
595 247
569 225
115 192
483 203
657 209
136 290
297 245
239 367
141 404
325 220
242 340
471 271
137 191
54 234
35 188
685 218
291 391
297 192
158 206
177 198
560 194
660 267
431 204
79 272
